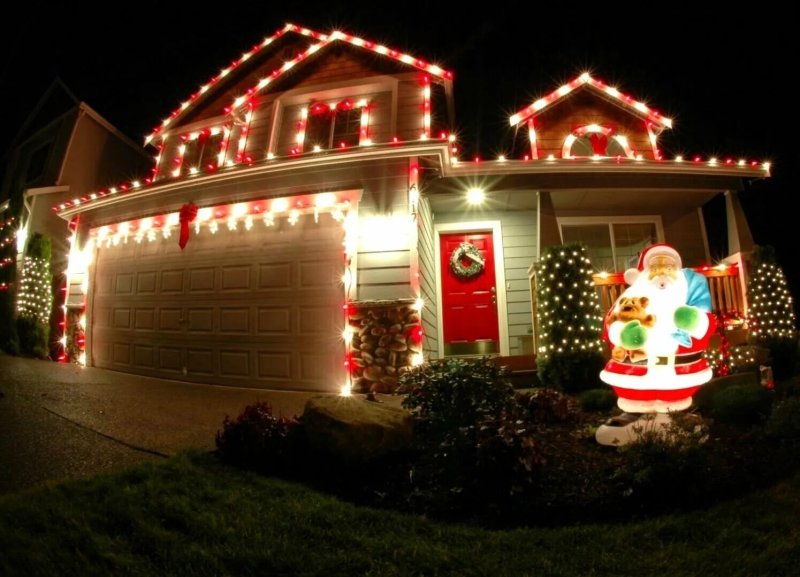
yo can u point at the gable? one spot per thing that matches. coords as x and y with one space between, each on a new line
586 109
311 45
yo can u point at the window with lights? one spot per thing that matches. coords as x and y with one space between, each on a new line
203 150
613 243
594 140
335 125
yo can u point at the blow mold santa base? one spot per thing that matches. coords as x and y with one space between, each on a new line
658 329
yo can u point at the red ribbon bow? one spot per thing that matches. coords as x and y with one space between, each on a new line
187 215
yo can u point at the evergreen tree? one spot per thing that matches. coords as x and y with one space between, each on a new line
570 322
35 297
771 316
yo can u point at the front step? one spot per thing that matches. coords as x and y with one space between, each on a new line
522 370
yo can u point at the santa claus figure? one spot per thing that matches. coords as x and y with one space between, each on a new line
658 328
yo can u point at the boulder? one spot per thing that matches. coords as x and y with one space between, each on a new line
356 429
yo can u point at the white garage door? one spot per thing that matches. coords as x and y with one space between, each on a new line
256 308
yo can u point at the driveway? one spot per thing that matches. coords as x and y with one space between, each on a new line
62 421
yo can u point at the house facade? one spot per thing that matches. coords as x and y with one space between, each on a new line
63 149
308 223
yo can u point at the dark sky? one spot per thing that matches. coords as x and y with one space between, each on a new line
724 74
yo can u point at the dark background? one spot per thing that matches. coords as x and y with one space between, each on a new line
724 74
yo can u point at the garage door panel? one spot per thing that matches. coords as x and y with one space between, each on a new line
123 284
200 320
234 320
274 320
146 282
236 278
201 280
200 361
144 356
275 275
144 319
260 309
234 363
169 359
172 281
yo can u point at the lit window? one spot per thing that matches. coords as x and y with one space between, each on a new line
612 246
336 126
596 141
202 153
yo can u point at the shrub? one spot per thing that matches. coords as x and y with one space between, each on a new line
32 337
571 372
453 393
598 400
745 404
784 421
667 464
257 439
543 406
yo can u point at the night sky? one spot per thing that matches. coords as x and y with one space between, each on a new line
723 74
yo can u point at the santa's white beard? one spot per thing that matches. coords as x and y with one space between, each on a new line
662 303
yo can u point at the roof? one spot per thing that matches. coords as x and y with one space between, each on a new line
585 81
323 41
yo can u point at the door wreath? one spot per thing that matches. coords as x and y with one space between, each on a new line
467 251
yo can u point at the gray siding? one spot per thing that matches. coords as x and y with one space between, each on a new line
427 280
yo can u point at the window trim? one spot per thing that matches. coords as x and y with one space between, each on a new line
569 141
610 221
355 90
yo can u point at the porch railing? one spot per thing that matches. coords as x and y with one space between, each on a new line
726 293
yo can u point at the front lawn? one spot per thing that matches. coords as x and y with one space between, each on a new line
193 515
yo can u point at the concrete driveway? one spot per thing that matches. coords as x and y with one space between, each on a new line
61 421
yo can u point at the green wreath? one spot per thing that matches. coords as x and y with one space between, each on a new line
466 250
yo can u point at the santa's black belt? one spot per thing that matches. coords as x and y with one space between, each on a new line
679 360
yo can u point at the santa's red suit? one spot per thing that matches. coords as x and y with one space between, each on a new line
674 367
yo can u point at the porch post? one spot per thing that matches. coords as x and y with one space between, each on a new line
547 233
740 241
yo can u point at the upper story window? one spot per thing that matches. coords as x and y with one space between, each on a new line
333 125
201 151
613 243
595 140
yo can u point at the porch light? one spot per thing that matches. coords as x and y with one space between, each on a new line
475 196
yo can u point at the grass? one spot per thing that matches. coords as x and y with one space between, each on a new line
192 515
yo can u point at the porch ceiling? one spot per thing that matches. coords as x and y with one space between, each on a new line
606 201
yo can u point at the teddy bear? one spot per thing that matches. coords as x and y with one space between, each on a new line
631 309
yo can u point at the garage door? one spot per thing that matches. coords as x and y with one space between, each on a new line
256 308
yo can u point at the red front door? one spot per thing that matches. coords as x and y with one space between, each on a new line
469 301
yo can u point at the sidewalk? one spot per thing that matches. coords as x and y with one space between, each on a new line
61 421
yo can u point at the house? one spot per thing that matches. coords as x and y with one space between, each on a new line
64 148
308 223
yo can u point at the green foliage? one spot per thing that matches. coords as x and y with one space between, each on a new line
598 400
669 463
469 446
741 404
771 311
453 393
784 421
33 337
35 298
546 406
257 439
569 319
571 372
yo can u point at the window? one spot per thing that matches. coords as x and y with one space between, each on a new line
614 244
333 126
594 140
202 150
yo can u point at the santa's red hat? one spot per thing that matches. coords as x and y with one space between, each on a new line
652 251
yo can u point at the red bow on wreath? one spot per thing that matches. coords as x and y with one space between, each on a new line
187 215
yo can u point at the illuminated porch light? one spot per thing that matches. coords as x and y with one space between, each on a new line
475 196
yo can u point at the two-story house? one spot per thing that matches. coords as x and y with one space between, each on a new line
308 222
